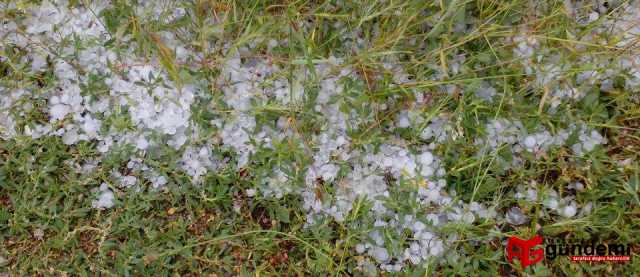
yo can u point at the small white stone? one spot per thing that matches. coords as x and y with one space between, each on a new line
142 143
569 210
426 158
59 111
380 254
105 199
516 217
530 142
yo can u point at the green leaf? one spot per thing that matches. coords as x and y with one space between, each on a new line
282 214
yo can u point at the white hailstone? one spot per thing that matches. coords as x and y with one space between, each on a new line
7 126
90 126
438 129
379 223
485 92
607 85
576 185
105 144
499 132
588 145
418 226
426 158
569 210
414 253
532 195
276 185
577 149
380 254
360 248
433 195
425 236
526 46
328 171
377 238
530 142
272 43
588 141
135 164
158 181
71 135
236 134
196 162
38 63
437 248
456 214
43 18
61 131
551 203
64 70
178 140
488 213
128 181
59 111
475 206
516 217
480 210
414 248
387 162
403 120
105 198
100 106
178 13
142 143
468 217
89 167
250 192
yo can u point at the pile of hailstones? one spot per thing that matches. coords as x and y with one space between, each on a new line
161 115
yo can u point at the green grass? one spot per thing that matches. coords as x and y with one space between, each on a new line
189 230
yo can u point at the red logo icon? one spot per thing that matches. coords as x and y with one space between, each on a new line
522 250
